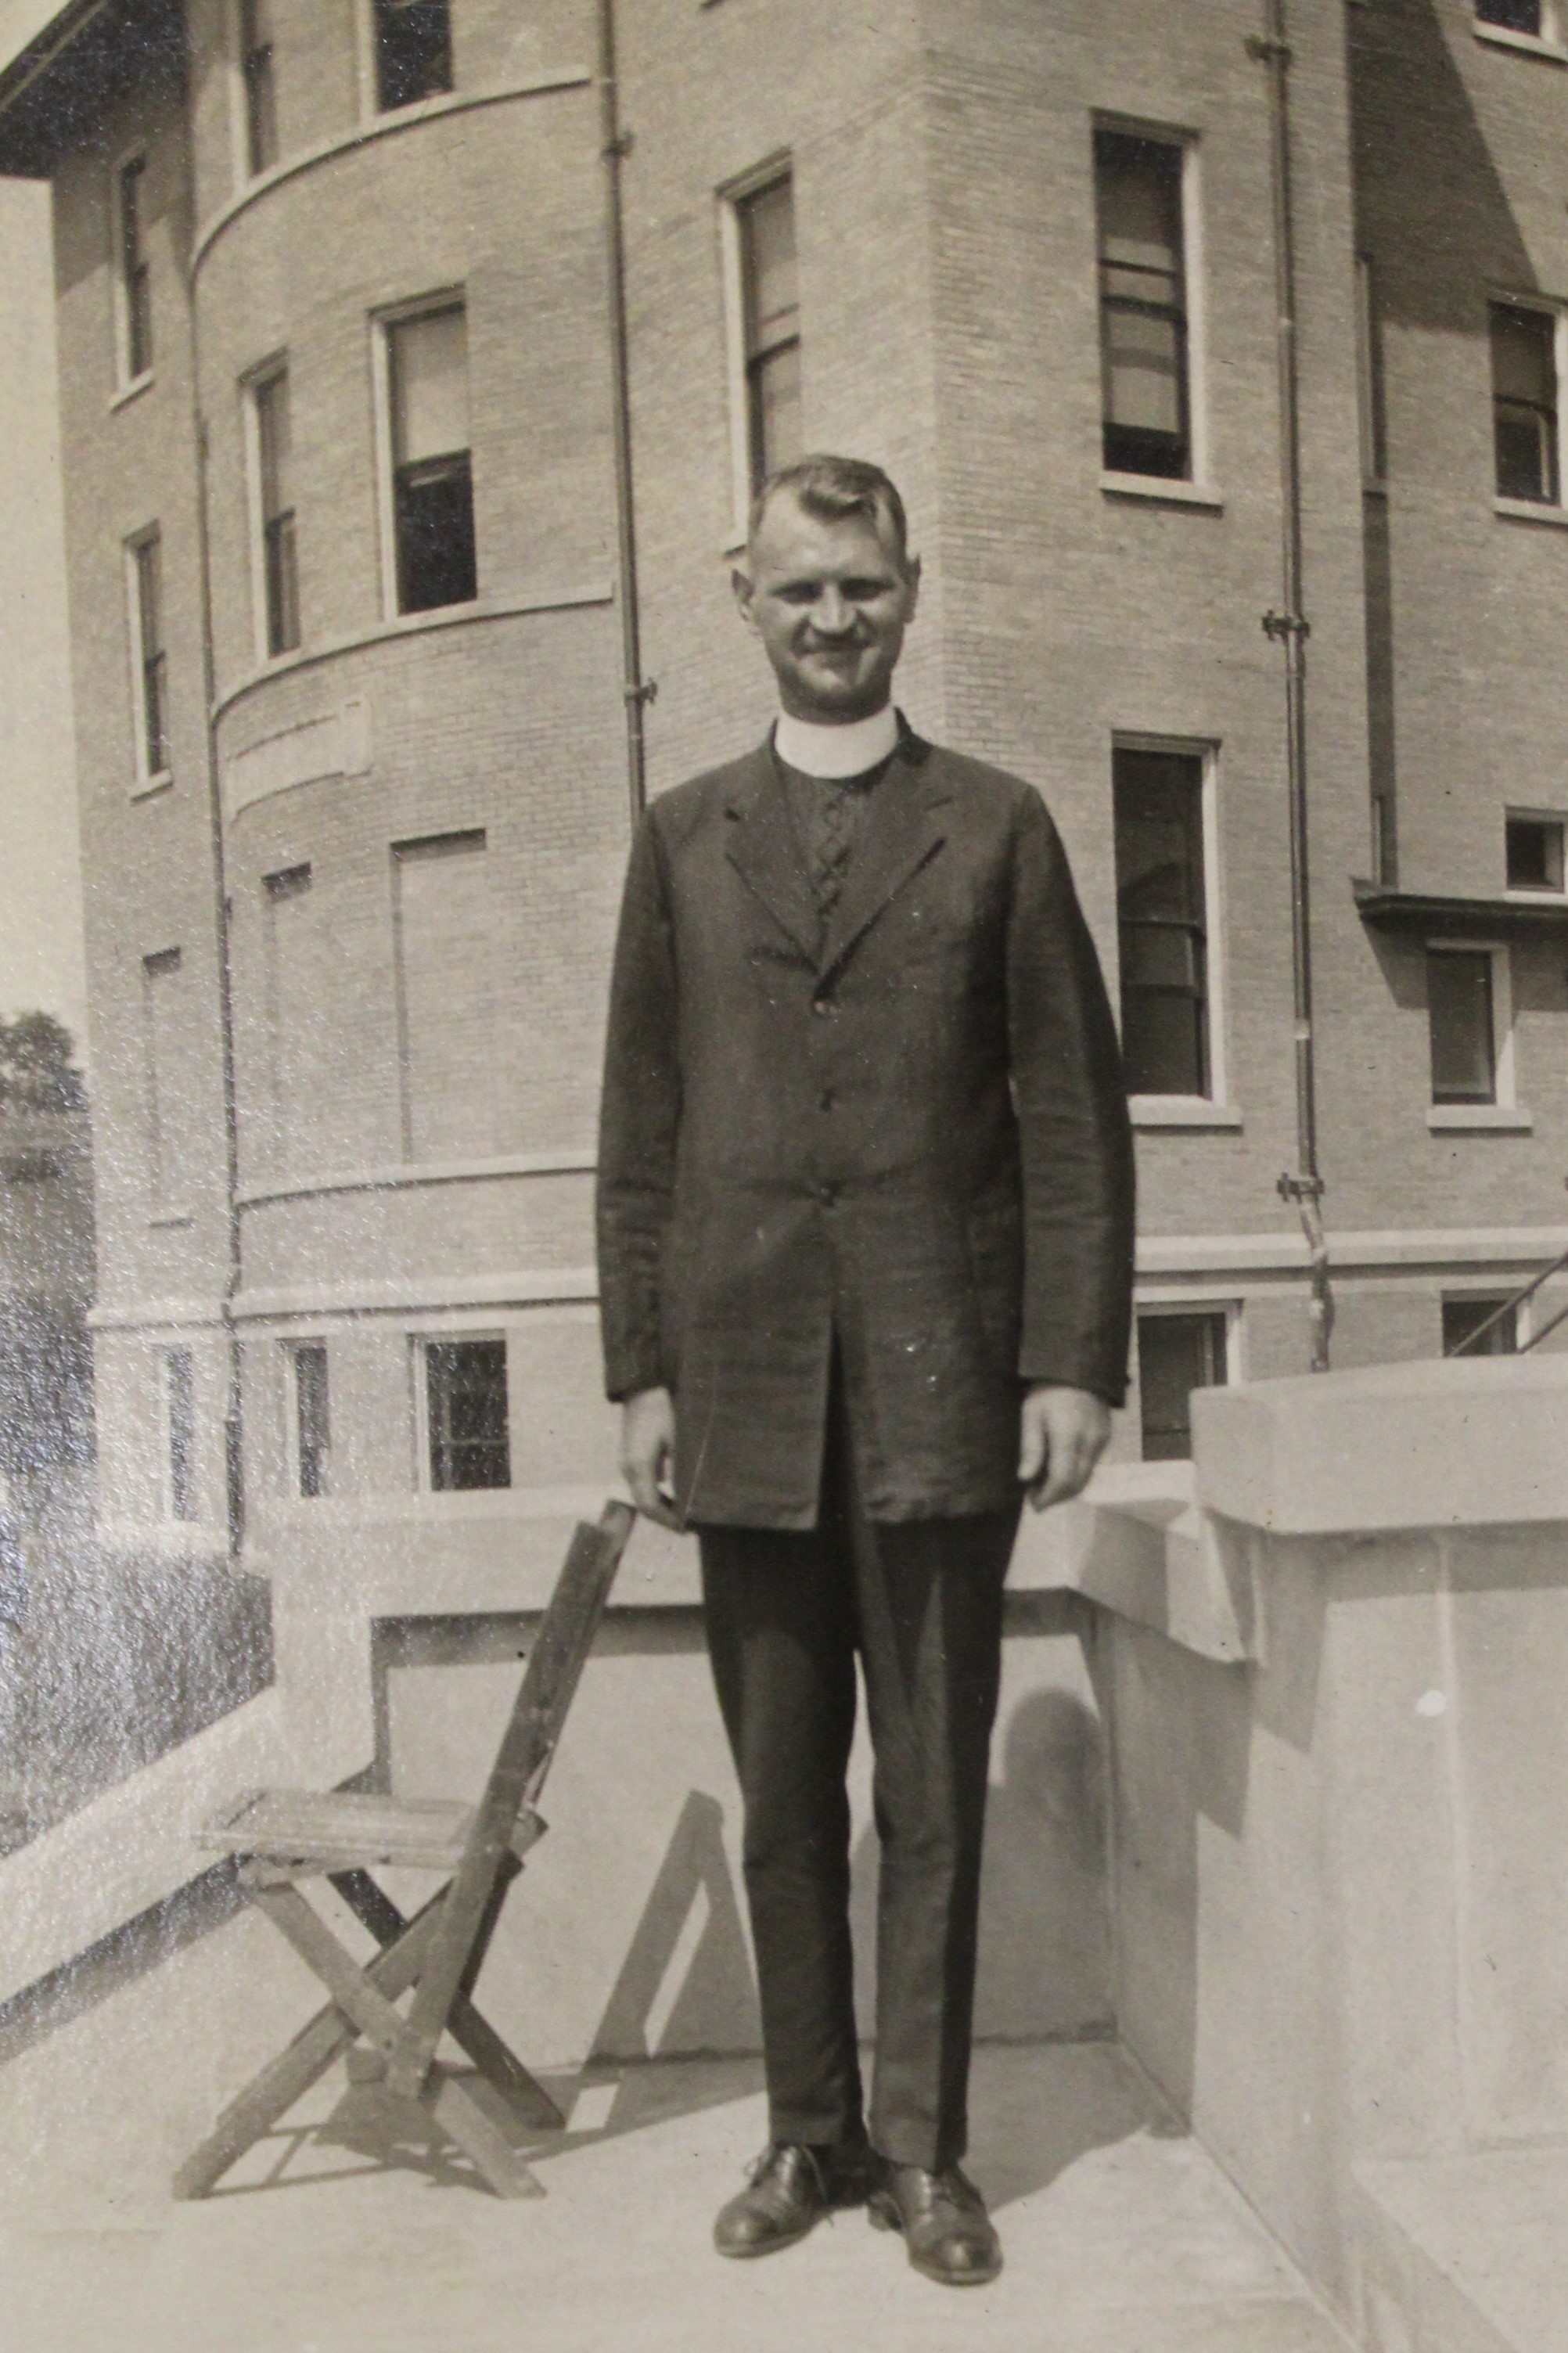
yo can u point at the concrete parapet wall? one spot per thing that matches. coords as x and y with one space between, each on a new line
1338 1884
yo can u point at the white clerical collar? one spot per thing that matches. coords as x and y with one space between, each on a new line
847 751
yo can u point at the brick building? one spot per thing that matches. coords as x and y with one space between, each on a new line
348 593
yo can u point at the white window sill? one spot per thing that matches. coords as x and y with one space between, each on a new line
167 1221
1533 894
1529 44
1181 1111
1532 511
1509 1118
132 391
145 787
1161 492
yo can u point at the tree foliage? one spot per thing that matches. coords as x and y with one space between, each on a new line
38 1065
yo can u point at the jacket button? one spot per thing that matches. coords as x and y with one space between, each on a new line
827 1195
820 1005
827 1099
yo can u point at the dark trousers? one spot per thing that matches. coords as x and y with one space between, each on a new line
921 1601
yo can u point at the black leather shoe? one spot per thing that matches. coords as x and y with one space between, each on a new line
791 2187
942 2217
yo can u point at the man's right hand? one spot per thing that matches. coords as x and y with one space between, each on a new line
647 1453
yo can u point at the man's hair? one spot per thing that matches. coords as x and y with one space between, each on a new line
832 489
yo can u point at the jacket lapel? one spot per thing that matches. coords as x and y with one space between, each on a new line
904 827
762 846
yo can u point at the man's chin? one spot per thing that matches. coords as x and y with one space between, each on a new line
834 701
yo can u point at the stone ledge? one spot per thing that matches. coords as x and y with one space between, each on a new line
1468 2252
1468 1443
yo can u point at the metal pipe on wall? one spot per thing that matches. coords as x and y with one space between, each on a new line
614 147
1290 628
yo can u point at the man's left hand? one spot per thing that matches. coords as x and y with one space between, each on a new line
1062 1438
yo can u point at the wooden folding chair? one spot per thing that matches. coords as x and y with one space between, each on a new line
284 1836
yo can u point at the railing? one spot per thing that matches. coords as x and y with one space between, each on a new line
1508 1307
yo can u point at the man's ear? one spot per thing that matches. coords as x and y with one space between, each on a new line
741 589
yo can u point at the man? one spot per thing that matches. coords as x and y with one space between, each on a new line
865 1241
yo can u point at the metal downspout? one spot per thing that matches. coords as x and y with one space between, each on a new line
1290 628
234 1458
614 147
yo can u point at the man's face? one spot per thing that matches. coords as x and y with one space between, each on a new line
830 603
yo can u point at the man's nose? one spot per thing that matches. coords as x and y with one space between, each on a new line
832 616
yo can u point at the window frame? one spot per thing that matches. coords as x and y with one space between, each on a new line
1533 893
178 1486
1216 1107
1547 43
449 1333
731 200
254 384
1371 400
293 1344
1504 1110
1168 1301
1198 481
367 58
128 378
1541 306
247 169
145 778
383 321
1479 1289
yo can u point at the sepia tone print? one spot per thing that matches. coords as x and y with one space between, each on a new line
375 533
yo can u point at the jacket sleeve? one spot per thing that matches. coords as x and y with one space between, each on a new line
638 1122
1075 1134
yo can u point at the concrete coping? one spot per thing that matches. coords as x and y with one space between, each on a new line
1470 1442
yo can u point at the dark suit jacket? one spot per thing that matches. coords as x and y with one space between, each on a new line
911 1133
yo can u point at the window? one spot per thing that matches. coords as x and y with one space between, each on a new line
149 661
160 1025
1513 16
180 1405
448 922
1369 378
432 488
1162 929
465 1389
1462 1015
1524 403
770 305
256 66
1465 1317
274 477
1533 851
412 50
134 278
312 1417
1176 1354
1145 360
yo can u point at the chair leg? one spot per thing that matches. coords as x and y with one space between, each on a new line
287 2078
499 2066
462 2119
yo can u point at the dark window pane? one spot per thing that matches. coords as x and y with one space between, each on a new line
412 50
1515 16
135 275
465 1384
182 1432
1462 1318
1459 1008
770 290
149 622
1524 402
1176 1354
435 518
1143 305
313 1417
275 448
1534 853
261 84
1158 802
